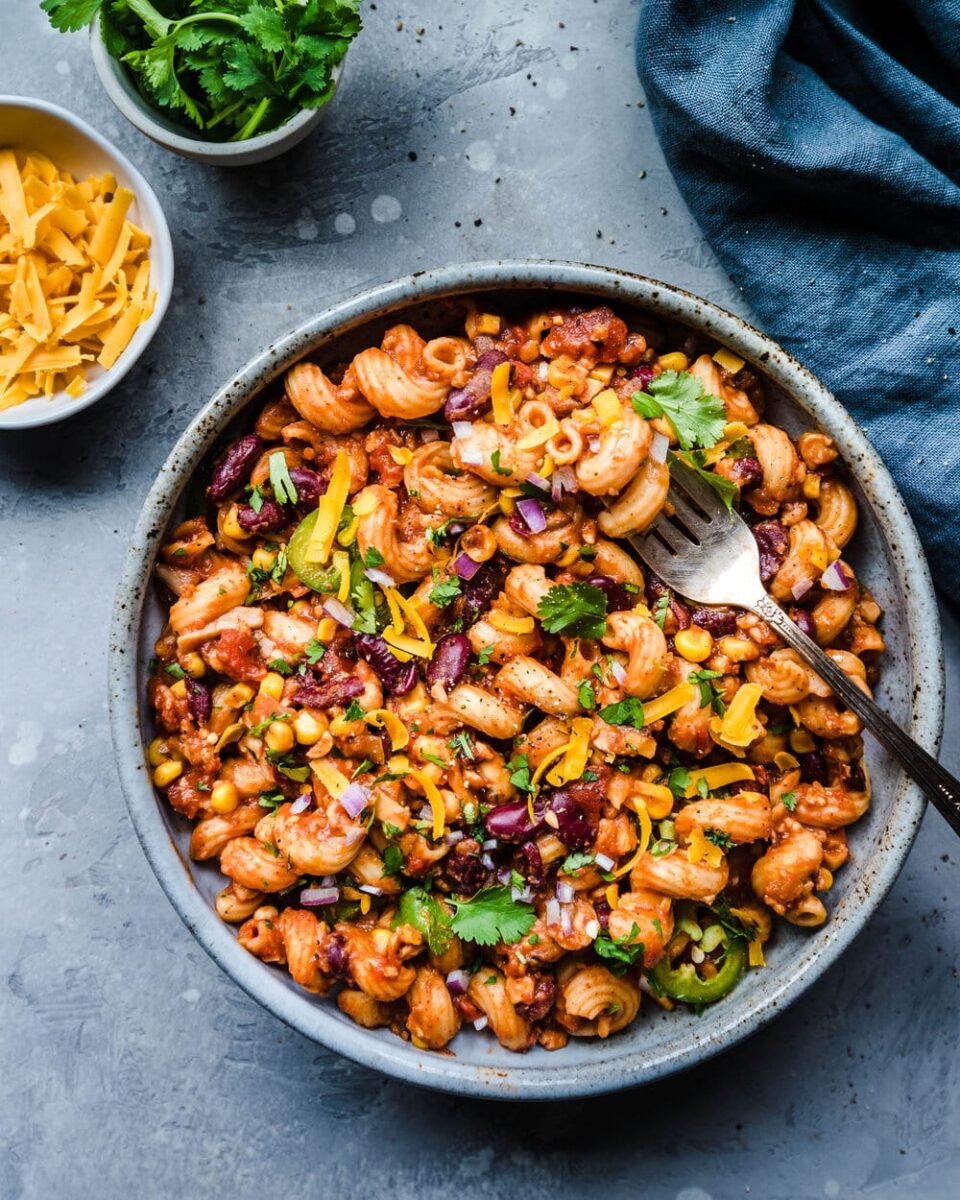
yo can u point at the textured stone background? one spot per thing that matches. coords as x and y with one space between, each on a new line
129 1065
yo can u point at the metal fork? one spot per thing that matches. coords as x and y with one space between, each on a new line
708 554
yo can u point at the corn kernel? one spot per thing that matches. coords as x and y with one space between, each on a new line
507 504
272 685
263 559
694 644
603 372
824 880
237 696
232 527
167 772
179 689
326 628
194 665
488 323
677 361
307 728
801 742
279 737
728 360
224 797
811 487
157 752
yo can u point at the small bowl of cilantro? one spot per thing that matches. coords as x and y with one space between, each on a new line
227 82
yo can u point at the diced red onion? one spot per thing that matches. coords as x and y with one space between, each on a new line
538 481
834 578
454 836
565 893
463 429
302 803
472 456
340 612
551 911
488 862
659 447
370 889
465 566
328 881
355 799
562 480
566 920
526 896
480 1023
618 671
458 982
490 844
504 875
533 514
603 861
375 575
314 897
593 444
801 587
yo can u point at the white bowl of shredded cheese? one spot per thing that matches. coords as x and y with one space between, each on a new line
86 264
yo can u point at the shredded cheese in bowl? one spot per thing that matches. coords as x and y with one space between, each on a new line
74 276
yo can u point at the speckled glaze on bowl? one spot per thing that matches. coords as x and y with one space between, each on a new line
888 556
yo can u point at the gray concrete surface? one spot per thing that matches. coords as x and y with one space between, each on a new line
129 1065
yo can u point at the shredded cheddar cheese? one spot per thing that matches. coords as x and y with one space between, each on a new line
540 436
400 455
613 896
668 703
718 777
329 776
740 726
501 396
508 624
341 562
329 511
785 761
646 833
383 718
74 277
574 761
432 793
755 954
657 798
701 849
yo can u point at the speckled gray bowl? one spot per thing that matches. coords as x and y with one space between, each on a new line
887 556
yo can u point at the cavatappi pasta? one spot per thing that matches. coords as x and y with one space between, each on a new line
458 755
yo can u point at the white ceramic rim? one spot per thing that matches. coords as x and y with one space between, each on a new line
138 113
161 250
554 1080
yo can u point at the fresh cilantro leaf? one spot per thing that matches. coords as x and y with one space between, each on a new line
445 592
372 557
719 838
744 931
709 694
628 711
462 744
315 651
354 711
425 913
661 609
492 916
261 727
360 769
573 862
175 670
287 765
726 489
575 609
586 696
519 769
433 758
393 861
697 419
588 553
789 800
620 953
741 448
495 463
70 15
703 788
484 656
256 499
284 490
271 800
436 535
589 777
679 781
281 666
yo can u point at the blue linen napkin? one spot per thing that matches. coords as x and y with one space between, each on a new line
817 143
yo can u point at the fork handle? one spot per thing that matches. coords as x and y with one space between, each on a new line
937 783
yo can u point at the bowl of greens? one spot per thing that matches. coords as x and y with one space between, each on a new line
228 82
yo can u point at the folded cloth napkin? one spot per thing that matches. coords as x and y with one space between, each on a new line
817 142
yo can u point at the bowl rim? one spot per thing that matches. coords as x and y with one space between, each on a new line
161 249
135 109
392 1055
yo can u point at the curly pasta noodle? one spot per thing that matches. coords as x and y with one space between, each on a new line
462 762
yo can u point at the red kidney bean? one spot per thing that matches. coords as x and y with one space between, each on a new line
772 540
803 620
199 701
655 588
574 825
618 598
478 593
463 404
450 660
463 869
397 677
334 952
310 485
338 689
544 994
233 467
271 517
813 767
529 862
744 472
718 622
510 822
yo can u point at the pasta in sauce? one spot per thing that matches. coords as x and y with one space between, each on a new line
461 759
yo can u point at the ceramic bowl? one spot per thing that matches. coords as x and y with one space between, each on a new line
28 124
887 556
120 87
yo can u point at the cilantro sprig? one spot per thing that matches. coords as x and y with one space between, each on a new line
574 609
696 418
229 68
492 916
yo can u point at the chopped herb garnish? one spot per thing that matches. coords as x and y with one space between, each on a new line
586 696
575 609
719 838
271 800
628 711
284 490
354 711
484 656
697 419
175 670
519 769
315 651
492 916
710 695
393 861
789 800
619 952
372 557
256 499
445 592
462 744
573 862
725 488
495 463
661 609
281 666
